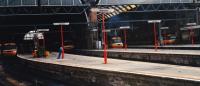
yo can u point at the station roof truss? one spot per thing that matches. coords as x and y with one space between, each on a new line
138 2
131 8
44 10
18 3
118 9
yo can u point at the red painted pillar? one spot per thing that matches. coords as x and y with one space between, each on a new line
62 41
125 41
104 39
155 38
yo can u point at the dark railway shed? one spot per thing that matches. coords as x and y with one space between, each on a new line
14 27
19 17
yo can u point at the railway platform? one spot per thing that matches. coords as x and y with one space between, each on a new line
89 70
169 56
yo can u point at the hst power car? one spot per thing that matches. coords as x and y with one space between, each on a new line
9 49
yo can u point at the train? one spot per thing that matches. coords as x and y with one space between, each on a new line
116 42
8 49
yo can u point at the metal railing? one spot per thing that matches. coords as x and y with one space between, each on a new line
11 3
119 2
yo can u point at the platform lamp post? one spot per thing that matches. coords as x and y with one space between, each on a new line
124 28
103 11
61 34
155 32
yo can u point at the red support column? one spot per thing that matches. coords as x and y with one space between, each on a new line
104 38
62 41
155 38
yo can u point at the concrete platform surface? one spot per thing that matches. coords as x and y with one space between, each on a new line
136 67
178 45
159 51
